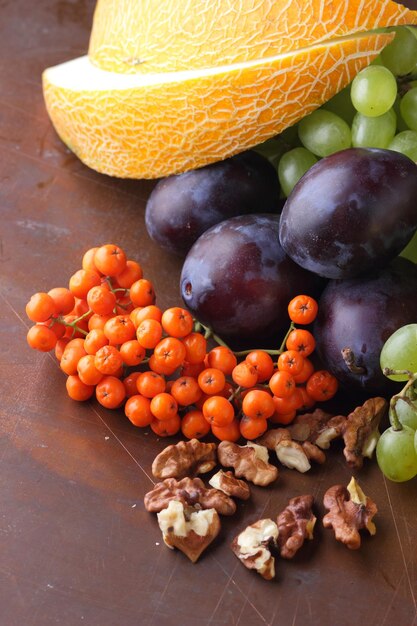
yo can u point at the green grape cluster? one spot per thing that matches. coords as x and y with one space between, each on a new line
396 451
377 110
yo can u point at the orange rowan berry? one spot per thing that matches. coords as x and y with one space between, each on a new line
77 390
149 384
119 329
95 340
252 427
73 352
302 341
101 300
142 292
229 432
149 333
195 348
262 362
177 322
164 406
306 372
194 425
245 375
223 359
98 321
138 410
82 281
132 352
130 383
110 392
87 371
282 384
40 307
211 381
258 404
130 274
64 300
42 338
291 361
150 312
170 351
88 260
108 360
302 309
186 390
166 428
322 386
110 260
218 410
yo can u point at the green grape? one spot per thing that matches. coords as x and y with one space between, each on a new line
415 442
396 454
410 251
407 413
408 108
401 125
341 104
272 149
292 166
373 90
400 56
406 143
399 352
374 132
323 133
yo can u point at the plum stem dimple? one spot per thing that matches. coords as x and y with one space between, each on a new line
350 361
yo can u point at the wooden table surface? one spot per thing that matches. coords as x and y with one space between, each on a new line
76 544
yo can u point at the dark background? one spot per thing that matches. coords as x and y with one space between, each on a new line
76 545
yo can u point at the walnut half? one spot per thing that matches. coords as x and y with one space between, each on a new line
189 491
188 529
250 462
230 485
253 547
295 524
350 510
186 458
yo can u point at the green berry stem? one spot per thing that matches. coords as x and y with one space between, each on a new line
74 323
198 326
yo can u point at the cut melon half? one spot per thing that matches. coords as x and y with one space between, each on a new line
146 36
157 124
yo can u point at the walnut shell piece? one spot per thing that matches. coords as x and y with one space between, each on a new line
291 453
186 458
253 547
230 485
188 529
295 524
360 432
250 462
349 512
189 491
317 427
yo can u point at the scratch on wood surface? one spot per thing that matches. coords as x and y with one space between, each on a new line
122 444
94 410
401 547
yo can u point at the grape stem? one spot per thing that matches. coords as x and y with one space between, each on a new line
402 395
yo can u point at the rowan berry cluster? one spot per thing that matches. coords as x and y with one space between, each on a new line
113 342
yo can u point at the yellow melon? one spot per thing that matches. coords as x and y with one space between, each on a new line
169 86
143 36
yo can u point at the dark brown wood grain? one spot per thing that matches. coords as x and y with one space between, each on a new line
76 544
